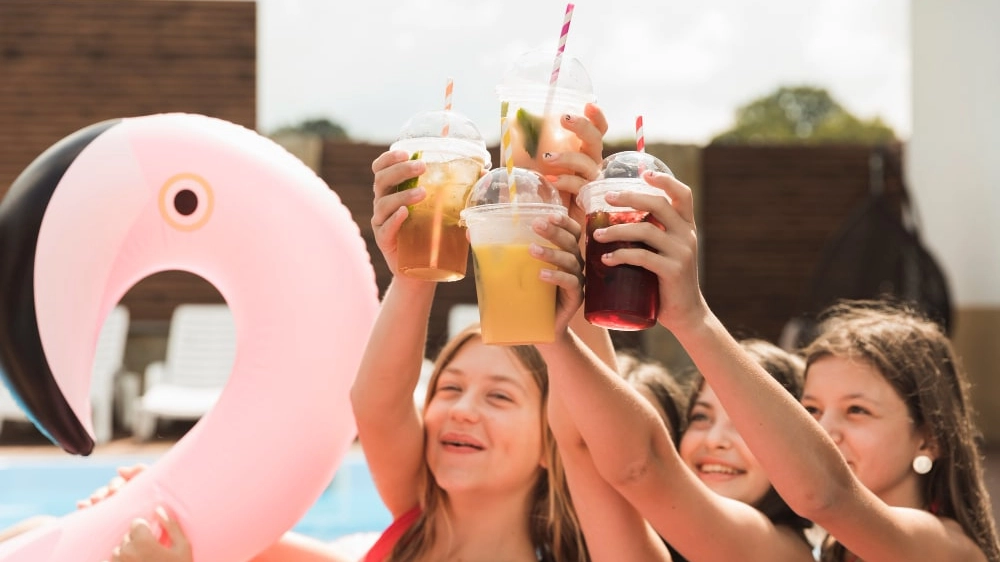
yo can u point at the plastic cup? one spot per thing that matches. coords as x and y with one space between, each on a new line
535 110
515 306
621 297
432 244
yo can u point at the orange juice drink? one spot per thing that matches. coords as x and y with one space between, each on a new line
515 306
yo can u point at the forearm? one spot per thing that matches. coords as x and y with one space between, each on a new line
390 367
801 461
621 429
595 338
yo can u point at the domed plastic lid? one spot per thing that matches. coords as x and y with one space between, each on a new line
621 171
529 76
530 187
630 164
442 131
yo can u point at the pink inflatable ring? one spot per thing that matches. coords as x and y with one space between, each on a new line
124 199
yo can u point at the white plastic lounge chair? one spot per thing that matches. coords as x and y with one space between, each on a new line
460 317
201 348
109 357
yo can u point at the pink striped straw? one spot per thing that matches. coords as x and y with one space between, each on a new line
448 90
557 63
640 136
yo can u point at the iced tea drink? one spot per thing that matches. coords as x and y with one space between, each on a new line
432 244
620 297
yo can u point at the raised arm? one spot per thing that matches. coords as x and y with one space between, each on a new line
631 448
613 528
802 462
389 425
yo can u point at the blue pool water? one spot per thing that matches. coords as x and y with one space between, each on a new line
52 485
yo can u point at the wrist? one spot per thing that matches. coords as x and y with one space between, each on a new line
412 288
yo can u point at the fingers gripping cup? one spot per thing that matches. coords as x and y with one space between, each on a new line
431 243
621 297
536 108
515 305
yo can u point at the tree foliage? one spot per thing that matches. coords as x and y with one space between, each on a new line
322 127
802 115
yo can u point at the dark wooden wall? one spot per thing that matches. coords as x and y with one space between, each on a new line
65 64
767 215
767 212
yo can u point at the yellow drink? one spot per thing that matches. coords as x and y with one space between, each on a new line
515 306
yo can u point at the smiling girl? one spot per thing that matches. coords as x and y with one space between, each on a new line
884 459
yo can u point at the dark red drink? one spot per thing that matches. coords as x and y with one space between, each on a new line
622 297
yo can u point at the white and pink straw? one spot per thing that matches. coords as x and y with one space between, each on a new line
448 90
640 136
557 64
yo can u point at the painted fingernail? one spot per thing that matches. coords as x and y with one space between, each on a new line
568 118
550 155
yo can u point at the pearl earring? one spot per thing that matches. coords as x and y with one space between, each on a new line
922 464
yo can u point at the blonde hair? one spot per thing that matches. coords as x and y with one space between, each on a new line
554 527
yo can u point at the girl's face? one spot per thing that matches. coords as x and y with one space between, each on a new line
870 424
716 453
484 423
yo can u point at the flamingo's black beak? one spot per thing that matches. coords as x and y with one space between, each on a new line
23 366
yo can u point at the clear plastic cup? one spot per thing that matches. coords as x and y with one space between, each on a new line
515 305
432 244
621 297
535 110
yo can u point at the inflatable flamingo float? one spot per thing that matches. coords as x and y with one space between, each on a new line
124 199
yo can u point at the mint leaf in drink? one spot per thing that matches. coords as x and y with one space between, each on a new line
531 128
412 182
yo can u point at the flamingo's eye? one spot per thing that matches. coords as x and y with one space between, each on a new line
186 201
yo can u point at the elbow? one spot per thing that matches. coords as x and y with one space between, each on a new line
626 472
820 498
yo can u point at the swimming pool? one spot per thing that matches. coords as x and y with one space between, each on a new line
51 485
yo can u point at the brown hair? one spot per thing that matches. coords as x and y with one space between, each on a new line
654 377
787 369
554 527
918 360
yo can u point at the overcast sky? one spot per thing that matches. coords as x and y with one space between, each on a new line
685 66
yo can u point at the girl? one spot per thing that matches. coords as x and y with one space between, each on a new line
701 501
889 465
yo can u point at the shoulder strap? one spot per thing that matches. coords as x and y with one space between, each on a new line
385 543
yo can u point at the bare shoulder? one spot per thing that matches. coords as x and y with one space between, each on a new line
962 544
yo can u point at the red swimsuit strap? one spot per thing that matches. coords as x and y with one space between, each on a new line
385 543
